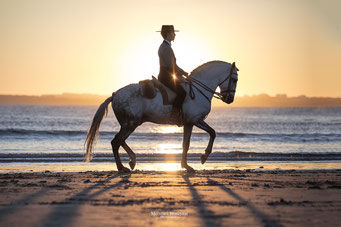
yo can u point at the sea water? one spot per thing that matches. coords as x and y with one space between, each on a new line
38 138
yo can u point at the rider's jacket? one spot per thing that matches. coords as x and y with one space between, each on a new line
168 65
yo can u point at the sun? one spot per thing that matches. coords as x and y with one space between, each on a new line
191 51
139 59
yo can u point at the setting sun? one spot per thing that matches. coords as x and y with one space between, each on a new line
190 51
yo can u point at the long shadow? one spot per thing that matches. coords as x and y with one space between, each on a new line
265 219
12 208
206 215
66 211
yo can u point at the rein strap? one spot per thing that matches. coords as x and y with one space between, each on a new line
217 95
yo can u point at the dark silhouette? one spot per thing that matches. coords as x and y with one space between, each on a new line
132 109
170 73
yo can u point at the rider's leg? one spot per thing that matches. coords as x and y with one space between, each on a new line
177 106
181 94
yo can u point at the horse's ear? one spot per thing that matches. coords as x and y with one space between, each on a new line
234 64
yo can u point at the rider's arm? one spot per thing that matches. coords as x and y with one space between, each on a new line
170 62
180 71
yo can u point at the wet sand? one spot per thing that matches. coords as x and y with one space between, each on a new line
206 198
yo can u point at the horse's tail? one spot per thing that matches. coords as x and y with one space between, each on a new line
90 140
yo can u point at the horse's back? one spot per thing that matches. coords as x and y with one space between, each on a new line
128 103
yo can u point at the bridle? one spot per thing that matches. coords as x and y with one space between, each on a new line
219 95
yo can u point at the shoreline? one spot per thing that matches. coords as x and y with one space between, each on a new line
173 172
161 198
253 166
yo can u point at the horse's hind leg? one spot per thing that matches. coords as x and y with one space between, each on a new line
204 126
119 140
131 154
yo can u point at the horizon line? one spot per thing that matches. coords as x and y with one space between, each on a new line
245 95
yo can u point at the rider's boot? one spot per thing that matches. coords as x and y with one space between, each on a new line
176 116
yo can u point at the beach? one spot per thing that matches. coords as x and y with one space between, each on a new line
268 167
161 198
257 113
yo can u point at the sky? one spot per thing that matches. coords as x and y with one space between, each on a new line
288 47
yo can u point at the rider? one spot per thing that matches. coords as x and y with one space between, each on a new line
170 73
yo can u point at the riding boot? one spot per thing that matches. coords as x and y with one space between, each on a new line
176 116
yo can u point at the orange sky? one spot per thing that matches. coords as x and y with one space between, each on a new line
51 47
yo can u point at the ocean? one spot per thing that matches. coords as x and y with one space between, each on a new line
51 138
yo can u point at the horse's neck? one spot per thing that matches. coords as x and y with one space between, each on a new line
211 78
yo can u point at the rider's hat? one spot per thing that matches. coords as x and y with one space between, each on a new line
167 28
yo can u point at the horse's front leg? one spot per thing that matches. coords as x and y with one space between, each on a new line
204 126
185 147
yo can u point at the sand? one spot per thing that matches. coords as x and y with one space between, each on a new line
206 198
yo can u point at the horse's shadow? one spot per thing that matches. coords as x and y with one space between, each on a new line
207 216
262 217
21 203
69 211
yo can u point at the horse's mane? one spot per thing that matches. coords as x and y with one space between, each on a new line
201 67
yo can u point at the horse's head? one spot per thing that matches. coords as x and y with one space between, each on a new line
229 84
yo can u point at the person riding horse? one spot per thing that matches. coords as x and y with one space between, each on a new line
132 108
170 73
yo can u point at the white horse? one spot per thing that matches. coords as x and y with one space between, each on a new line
132 109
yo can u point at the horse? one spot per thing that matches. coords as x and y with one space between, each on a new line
132 109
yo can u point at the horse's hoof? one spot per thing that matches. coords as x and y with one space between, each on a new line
190 169
132 164
203 159
124 170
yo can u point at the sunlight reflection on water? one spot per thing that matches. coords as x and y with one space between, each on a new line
168 148
167 166
167 129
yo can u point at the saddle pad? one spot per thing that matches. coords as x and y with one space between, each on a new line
168 96
147 89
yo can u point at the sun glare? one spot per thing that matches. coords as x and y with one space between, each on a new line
169 167
142 53
192 51
167 129
168 148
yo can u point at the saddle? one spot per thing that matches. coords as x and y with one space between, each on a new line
149 89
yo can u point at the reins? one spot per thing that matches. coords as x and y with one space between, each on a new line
217 95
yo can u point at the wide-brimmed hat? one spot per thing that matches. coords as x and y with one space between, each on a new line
168 28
